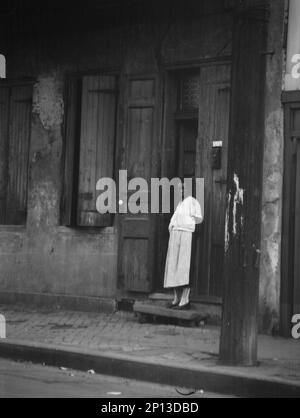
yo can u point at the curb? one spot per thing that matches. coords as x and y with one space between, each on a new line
209 379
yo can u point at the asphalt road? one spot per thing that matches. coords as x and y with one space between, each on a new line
26 380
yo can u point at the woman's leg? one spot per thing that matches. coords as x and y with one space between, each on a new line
185 297
176 299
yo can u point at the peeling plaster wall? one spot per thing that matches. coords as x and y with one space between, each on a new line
44 257
272 176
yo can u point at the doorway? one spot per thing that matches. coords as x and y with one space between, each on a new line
199 122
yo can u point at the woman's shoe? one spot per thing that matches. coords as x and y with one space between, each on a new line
172 305
185 307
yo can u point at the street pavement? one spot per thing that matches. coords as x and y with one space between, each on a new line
161 343
26 380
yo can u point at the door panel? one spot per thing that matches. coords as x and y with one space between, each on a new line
138 149
135 264
136 251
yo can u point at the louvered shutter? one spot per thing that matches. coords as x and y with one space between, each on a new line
97 145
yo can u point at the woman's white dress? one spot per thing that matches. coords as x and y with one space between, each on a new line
182 226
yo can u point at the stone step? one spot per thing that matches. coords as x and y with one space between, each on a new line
151 311
210 309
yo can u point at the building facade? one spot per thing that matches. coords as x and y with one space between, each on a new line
144 87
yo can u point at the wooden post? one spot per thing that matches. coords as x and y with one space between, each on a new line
243 219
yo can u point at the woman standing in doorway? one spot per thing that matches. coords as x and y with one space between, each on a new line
177 271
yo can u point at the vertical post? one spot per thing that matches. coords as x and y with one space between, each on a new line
243 219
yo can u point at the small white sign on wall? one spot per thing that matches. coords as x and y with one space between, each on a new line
217 144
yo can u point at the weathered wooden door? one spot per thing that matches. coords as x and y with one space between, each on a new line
211 164
139 158
290 270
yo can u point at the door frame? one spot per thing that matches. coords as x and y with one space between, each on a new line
289 288
170 116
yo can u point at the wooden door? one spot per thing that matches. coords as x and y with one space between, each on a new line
213 125
290 266
137 231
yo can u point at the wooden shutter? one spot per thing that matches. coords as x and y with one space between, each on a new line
19 134
4 114
97 144
15 122
71 151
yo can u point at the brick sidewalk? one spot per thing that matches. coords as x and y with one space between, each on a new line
116 333
120 333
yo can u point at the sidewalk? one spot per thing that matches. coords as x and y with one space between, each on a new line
119 336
